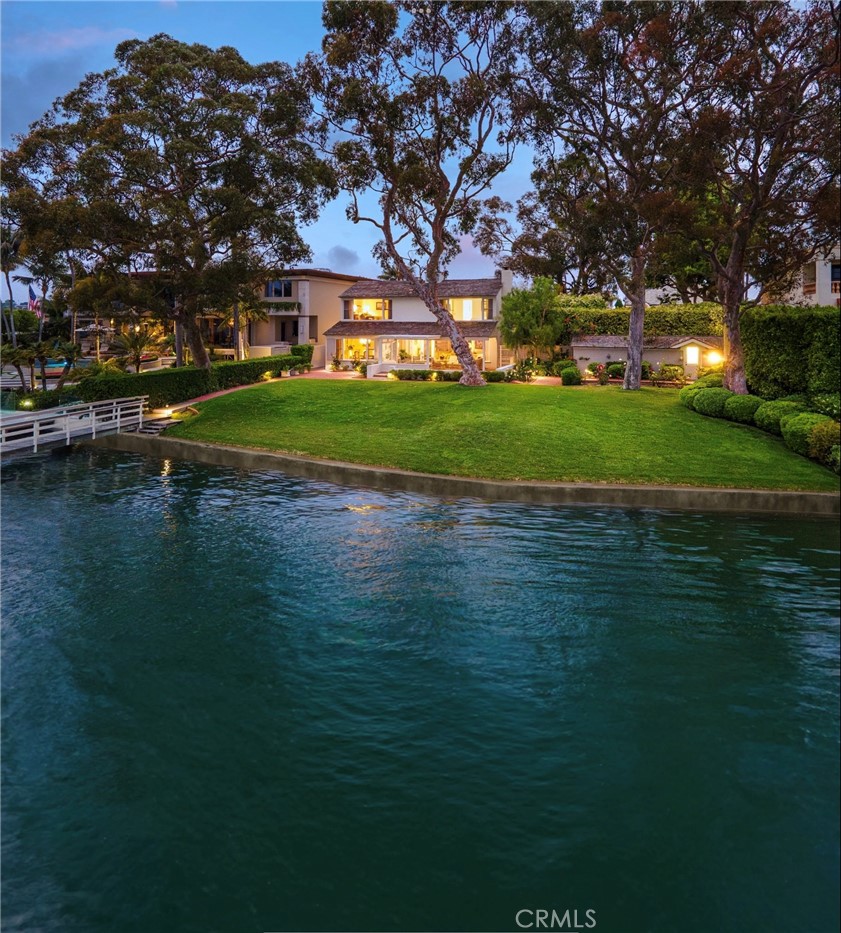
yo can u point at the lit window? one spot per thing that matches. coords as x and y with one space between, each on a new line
692 356
467 309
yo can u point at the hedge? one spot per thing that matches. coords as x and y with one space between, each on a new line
742 408
427 375
170 386
303 352
660 320
769 415
791 349
796 430
823 437
687 395
711 402
571 376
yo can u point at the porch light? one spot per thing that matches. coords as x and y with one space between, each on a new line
714 358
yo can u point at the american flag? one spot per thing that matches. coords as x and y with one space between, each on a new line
34 303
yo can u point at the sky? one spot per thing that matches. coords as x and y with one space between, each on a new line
48 47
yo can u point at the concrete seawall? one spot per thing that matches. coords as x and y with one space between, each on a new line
700 499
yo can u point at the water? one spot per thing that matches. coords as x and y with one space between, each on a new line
243 702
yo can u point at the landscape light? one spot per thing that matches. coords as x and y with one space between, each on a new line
714 358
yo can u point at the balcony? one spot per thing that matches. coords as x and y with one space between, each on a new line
836 288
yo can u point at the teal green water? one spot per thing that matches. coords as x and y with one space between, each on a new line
244 702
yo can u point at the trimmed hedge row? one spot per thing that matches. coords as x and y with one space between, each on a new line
170 386
808 433
660 321
791 350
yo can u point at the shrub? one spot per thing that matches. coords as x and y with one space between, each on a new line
827 403
39 401
571 376
560 365
245 372
412 375
823 438
494 376
615 370
835 458
646 370
742 408
711 381
797 428
791 349
768 415
687 395
302 352
592 367
522 371
711 402
361 368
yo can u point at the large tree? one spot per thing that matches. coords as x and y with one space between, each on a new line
416 94
762 170
188 162
608 83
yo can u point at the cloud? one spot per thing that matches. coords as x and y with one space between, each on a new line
60 42
342 257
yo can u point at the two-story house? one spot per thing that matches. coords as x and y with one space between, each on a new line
301 306
386 325
820 281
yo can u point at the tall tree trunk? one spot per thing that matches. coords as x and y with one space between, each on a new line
63 377
42 365
192 334
179 344
237 347
731 290
12 332
633 366
19 370
471 374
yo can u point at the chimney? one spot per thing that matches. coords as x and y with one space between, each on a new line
506 277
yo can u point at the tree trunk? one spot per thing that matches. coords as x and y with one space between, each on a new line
42 365
633 366
63 377
19 370
32 375
12 332
192 334
471 374
179 344
237 341
731 291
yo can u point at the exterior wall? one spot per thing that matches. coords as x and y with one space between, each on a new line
410 309
816 286
584 356
324 302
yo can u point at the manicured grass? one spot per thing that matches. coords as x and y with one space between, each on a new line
509 432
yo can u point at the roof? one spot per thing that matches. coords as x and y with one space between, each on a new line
448 288
472 330
615 341
319 274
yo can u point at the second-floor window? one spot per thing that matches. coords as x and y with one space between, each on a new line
367 309
470 309
279 288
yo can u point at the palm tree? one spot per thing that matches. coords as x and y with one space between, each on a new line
70 353
47 269
133 346
11 254
18 357
42 351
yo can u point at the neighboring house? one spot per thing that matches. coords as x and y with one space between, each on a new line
687 351
820 282
386 325
301 307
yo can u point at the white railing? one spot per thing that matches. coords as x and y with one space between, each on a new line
30 431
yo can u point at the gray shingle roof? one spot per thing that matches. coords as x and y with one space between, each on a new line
472 330
449 288
615 341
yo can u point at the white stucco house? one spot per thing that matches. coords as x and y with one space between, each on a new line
820 281
386 325
690 351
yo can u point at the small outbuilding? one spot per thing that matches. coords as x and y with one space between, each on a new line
688 351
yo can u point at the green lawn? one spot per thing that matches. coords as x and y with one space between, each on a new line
511 432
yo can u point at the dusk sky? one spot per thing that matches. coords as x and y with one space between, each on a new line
47 47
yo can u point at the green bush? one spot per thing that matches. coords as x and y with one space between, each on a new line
823 438
494 375
646 369
687 395
592 367
791 349
170 386
796 430
827 403
835 458
711 402
660 320
769 414
412 375
302 352
742 408
615 370
571 376
711 381
39 401
560 365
